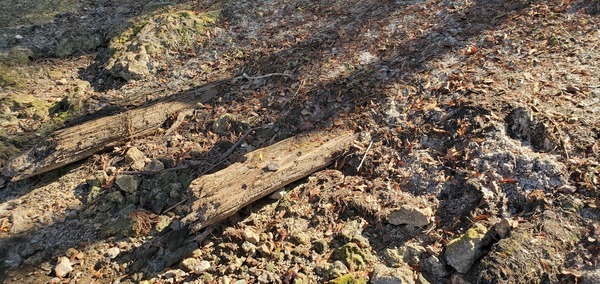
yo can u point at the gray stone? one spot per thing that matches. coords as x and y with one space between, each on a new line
128 183
251 236
320 245
228 123
194 265
154 166
435 266
278 194
503 227
463 251
410 215
163 223
352 232
99 179
113 252
175 273
409 253
385 275
63 267
115 197
136 158
337 269
299 238
249 248
20 222
131 66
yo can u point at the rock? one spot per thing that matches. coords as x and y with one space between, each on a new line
94 192
503 227
266 248
113 252
63 267
115 197
175 273
152 37
131 66
21 222
410 215
346 279
194 265
99 179
352 232
72 253
278 194
136 158
458 278
352 256
462 252
128 183
227 123
435 266
337 269
251 236
320 245
73 44
154 166
410 254
162 223
249 248
385 275
300 238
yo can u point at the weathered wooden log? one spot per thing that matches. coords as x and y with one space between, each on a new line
261 172
81 141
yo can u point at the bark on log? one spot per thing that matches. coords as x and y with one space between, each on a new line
219 195
79 142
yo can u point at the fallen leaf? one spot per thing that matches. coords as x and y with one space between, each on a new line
470 50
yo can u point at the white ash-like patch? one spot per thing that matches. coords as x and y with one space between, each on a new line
507 159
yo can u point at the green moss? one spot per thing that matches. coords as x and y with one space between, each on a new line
348 279
10 78
477 232
352 256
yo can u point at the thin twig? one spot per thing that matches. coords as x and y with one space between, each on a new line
176 204
180 118
265 76
237 144
247 77
364 156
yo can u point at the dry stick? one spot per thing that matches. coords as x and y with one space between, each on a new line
180 118
263 76
176 204
237 144
364 156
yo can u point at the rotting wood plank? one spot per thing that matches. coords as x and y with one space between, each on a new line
261 172
76 143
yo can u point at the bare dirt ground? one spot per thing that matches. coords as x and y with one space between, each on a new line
476 158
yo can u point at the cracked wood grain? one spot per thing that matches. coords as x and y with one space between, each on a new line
76 143
261 172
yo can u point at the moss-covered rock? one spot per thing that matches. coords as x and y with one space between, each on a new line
462 252
349 278
27 106
352 256
137 49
